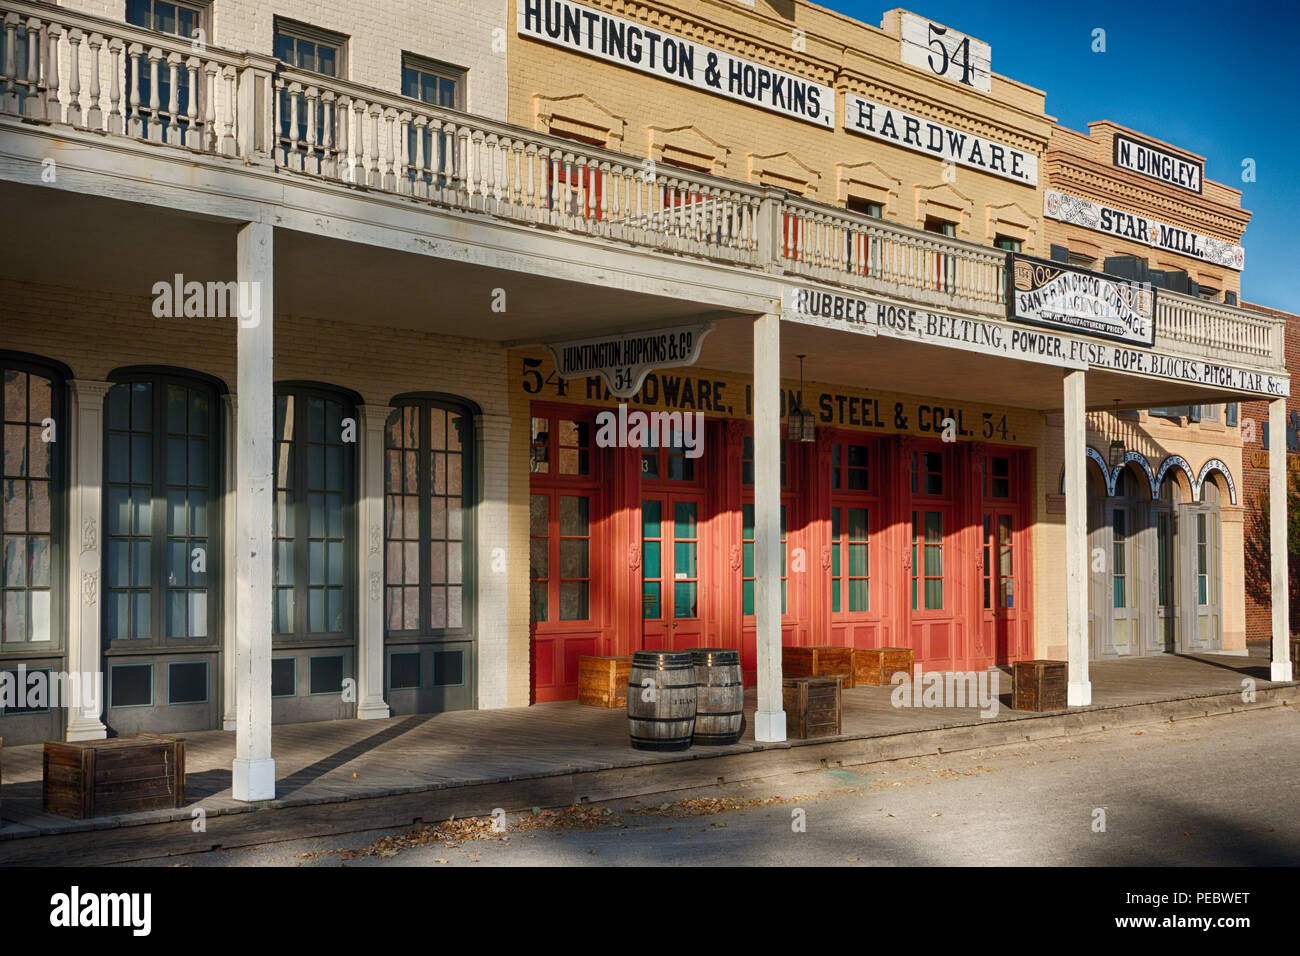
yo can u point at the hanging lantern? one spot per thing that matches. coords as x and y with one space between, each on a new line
803 424
1117 449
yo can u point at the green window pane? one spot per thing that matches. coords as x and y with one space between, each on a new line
651 518
934 594
684 519
684 559
860 595
650 600
650 560
747 522
684 599
858 560
748 558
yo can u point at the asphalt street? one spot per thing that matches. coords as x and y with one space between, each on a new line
1216 791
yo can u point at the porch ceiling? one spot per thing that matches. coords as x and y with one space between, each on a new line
123 248
118 247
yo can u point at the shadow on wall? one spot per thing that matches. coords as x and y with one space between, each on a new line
1258 575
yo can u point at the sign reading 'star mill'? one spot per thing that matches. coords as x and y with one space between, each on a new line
1077 300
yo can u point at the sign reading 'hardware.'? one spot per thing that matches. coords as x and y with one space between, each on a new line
834 308
1076 300
1158 163
654 51
942 142
625 359
1149 232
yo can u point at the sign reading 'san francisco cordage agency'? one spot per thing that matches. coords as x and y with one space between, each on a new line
1136 228
657 52
935 139
624 360
1158 163
1076 300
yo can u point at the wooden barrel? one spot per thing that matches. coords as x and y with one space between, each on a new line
667 720
720 698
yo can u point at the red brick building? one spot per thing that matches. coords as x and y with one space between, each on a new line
1256 447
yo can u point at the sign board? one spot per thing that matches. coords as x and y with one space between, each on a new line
637 46
625 359
1158 163
935 139
834 308
954 56
1077 300
1136 228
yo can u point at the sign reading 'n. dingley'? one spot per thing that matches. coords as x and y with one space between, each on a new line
1149 232
837 309
639 47
1076 300
1158 163
942 142
625 360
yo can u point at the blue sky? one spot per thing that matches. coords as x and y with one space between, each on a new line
1219 79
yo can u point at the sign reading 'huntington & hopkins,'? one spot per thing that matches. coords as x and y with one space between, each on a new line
639 47
626 358
1076 300
942 142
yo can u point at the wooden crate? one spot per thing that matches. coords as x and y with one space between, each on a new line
812 706
122 775
819 661
1038 685
877 666
602 681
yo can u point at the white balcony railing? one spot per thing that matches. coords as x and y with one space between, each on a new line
64 70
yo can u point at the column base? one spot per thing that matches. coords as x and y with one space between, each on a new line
85 728
253 780
1078 693
769 726
373 710
1281 671
227 721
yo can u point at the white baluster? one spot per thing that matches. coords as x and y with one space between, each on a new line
74 78
95 113
116 123
373 175
173 98
405 173
11 60
310 160
53 102
228 142
33 106
134 121
154 127
389 127
293 154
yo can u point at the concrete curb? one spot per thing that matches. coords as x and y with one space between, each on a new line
164 833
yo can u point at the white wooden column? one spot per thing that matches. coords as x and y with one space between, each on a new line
253 769
1079 688
769 721
230 587
492 517
1280 592
85 505
370 563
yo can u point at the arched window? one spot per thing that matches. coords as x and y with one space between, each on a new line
162 461
31 500
315 499
428 517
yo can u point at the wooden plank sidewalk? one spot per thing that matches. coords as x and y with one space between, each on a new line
348 760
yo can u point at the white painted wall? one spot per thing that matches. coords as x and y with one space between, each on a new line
459 32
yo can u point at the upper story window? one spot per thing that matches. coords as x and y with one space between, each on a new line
927 473
1081 261
429 81
864 206
30 482
1007 243
941 226
167 16
310 48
